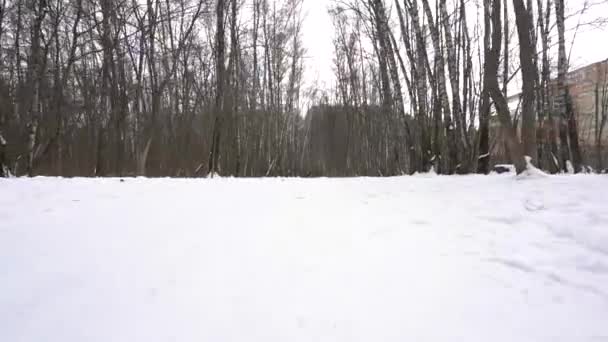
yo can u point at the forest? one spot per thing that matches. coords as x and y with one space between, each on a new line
195 88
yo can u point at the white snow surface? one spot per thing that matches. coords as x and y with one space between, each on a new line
423 258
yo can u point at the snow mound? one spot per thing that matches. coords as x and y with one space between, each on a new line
531 171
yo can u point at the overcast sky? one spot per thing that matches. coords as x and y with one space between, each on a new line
591 44
318 37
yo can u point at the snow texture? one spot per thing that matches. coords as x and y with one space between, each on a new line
422 258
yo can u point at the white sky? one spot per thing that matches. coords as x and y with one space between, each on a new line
591 44
318 40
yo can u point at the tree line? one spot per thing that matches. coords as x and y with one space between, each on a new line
155 87
443 73
190 88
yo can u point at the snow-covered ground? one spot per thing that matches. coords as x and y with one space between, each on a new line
397 259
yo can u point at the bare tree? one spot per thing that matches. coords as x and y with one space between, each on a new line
568 121
219 85
528 72
35 70
492 55
483 165
601 114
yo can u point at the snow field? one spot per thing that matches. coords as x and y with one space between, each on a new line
423 258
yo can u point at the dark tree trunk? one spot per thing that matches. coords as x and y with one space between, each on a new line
34 79
483 164
4 168
442 93
568 115
219 86
491 80
529 73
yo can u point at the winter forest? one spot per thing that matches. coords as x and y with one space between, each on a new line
303 170
188 88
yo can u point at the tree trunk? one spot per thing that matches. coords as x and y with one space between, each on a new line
419 61
451 143
34 78
483 163
462 142
219 86
566 106
4 168
100 163
529 72
491 80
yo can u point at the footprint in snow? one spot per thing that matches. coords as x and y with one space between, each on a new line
534 205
